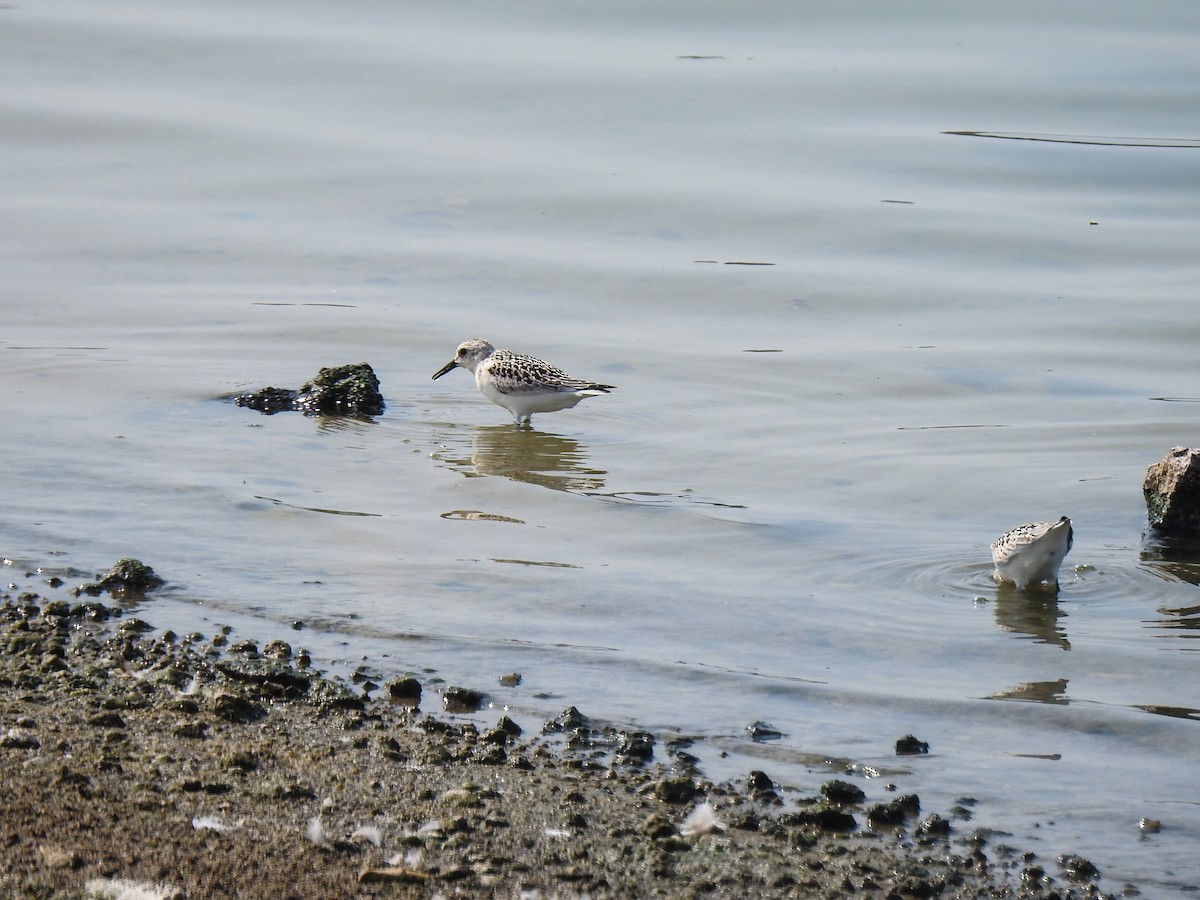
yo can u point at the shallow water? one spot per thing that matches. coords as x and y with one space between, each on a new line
782 513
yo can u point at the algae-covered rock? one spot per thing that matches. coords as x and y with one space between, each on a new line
126 577
342 391
350 390
1172 492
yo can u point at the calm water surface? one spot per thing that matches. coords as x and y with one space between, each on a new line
783 512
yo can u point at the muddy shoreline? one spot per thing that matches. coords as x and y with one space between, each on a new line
138 763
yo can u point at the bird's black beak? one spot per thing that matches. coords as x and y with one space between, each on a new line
444 369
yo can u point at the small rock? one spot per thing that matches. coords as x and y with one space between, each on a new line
1172 492
1077 869
278 650
761 787
509 727
243 761
762 731
636 746
910 746
842 793
192 730
827 818
1034 876
894 812
570 719
935 826
233 708
267 674
19 739
461 700
675 790
127 577
496 736
404 690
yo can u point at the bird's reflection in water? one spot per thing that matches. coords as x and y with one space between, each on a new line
534 457
1033 611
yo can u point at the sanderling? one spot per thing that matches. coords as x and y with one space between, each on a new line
1032 553
523 385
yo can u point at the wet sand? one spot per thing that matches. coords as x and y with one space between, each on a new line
135 763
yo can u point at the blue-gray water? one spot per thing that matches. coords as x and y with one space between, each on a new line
966 333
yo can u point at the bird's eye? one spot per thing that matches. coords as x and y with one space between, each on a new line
462 351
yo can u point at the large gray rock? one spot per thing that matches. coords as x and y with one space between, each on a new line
1172 490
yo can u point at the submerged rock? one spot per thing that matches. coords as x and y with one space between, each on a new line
1172 492
910 746
350 390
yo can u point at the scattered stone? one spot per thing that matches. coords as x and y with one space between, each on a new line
280 651
509 727
134 626
56 609
121 796
1172 492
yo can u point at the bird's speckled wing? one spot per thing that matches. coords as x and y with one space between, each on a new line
1022 535
515 373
